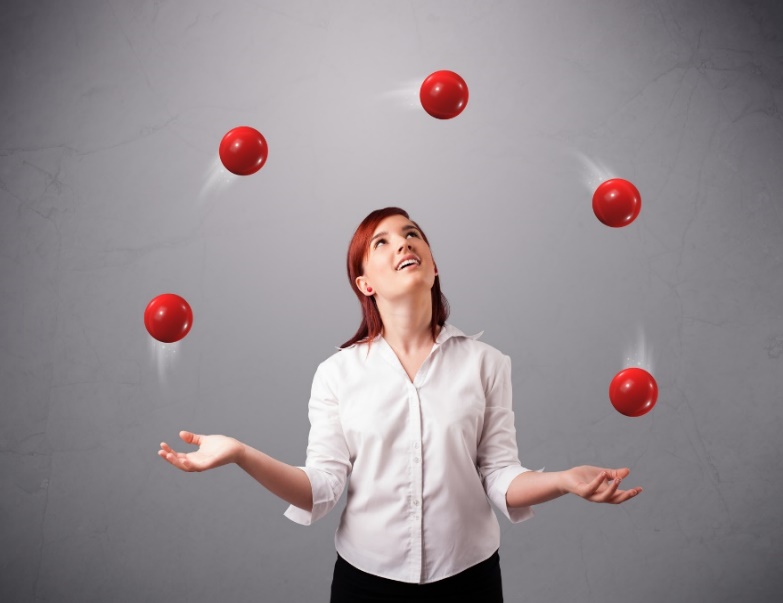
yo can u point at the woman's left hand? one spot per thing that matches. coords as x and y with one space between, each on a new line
597 484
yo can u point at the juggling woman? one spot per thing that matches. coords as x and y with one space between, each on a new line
415 417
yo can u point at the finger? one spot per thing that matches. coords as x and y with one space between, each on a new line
591 488
635 492
168 456
609 493
618 473
165 447
190 438
179 460
624 495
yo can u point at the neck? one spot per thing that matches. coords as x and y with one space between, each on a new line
406 323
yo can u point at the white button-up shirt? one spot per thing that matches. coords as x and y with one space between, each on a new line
424 457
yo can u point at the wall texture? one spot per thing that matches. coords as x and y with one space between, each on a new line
111 193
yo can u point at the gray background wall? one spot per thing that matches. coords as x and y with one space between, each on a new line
111 193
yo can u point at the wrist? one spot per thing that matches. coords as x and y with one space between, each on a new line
564 482
239 455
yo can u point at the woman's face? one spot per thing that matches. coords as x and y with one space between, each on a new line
398 262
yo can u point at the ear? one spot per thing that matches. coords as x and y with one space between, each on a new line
436 267
364 286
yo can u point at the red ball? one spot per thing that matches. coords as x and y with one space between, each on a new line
617 202
243 151
444 94
633 392
168 318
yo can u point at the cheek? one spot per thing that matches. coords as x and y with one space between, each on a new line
372 265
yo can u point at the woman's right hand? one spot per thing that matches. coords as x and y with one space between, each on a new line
213 451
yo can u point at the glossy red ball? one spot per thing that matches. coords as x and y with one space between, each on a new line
168 317
633 392
617 202
444 94
243 151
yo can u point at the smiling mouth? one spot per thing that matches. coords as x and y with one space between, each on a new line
407 264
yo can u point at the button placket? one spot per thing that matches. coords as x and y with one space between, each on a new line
415 464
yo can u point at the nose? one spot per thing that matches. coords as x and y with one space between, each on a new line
406 244
404 241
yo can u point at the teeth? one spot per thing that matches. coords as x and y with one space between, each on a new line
406 263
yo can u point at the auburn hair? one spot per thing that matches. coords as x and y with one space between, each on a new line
358 250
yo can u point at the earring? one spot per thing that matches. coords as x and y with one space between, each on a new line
369 289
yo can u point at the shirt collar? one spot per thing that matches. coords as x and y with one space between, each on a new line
448 331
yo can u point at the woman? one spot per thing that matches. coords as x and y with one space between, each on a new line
419 416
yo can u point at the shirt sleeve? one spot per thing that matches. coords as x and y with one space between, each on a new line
328 460
497 458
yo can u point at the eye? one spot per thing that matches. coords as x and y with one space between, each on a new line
378 243
413 233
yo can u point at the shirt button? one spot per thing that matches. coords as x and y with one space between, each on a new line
415 444
415 459
415 502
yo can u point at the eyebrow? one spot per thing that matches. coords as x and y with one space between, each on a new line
384 233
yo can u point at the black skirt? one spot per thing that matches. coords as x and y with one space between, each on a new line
478 584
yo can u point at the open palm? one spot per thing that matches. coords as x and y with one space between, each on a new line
213 451
598 484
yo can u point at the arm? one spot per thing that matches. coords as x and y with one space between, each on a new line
497 457
506 482
312 490
591 483
289 483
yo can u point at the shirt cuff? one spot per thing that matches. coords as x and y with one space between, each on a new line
323 500
501 480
